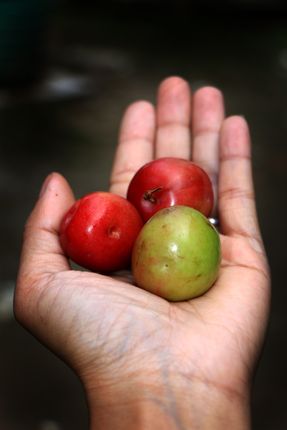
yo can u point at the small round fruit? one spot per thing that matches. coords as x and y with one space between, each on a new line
177 254
169 182
99 231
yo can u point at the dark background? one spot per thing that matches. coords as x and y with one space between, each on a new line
67 72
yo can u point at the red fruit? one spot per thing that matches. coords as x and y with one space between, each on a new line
168 182
99 231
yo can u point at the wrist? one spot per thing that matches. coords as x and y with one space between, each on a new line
169 403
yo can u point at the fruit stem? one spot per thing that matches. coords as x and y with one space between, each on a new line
150 195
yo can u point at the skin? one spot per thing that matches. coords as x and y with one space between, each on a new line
147 363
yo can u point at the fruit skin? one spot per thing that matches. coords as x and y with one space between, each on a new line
168 182
177 254
99 230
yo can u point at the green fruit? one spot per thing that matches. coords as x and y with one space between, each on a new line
177 254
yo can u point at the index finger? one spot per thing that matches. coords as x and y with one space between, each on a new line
136 145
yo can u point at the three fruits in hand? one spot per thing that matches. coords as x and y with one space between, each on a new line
175 255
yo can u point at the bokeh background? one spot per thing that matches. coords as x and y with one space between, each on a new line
68 69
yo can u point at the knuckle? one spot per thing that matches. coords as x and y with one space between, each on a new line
121 178
235 193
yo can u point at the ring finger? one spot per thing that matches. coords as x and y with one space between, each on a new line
207 117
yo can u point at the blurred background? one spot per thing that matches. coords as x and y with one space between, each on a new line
68 69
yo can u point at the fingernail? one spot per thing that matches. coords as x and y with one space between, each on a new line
45 185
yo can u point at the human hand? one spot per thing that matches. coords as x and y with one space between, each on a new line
145 362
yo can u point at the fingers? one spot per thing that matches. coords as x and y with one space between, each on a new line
136 145
173 119
207 117
41 252
236 194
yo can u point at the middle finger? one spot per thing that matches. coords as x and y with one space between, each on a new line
173 137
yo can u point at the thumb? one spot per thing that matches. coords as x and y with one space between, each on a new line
41 251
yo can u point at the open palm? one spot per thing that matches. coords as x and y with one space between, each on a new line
109 330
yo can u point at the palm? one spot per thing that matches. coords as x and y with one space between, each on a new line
107 323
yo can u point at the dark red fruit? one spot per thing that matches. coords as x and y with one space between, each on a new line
168 182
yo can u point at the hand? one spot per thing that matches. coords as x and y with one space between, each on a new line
145 362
